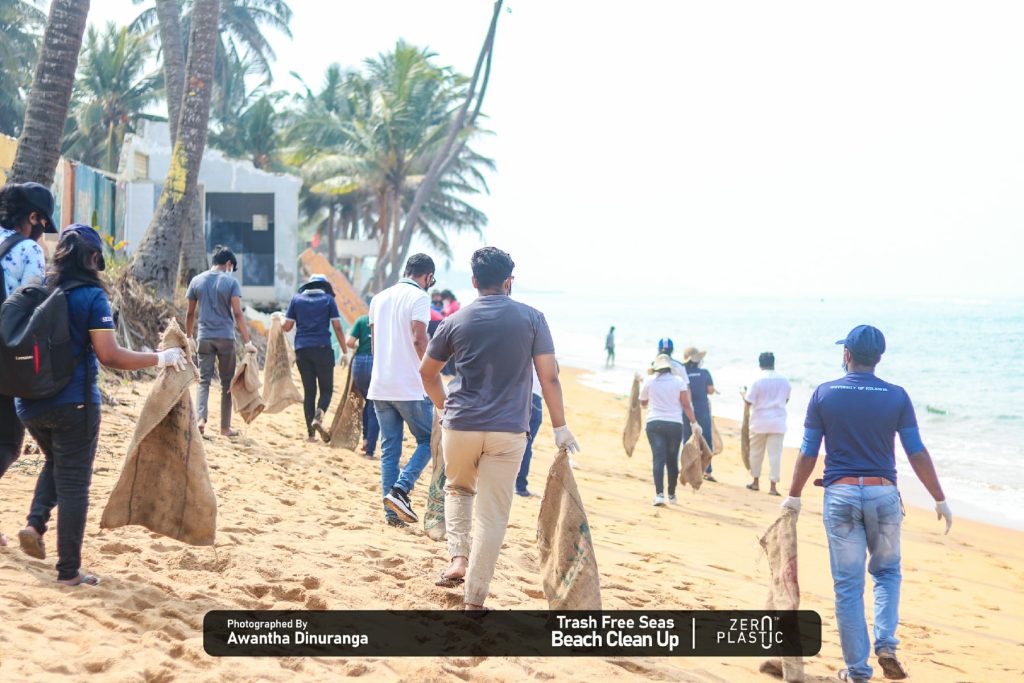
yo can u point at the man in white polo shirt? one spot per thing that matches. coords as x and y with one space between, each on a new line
767 397
398 330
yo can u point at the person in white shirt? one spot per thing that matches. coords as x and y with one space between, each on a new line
767 397
398 332
666 396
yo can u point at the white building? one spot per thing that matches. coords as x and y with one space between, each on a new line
254 212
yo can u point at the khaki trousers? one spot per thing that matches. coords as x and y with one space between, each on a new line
758 444
481 469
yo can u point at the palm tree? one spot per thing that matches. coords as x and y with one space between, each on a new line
111 95
20 25
157 260
47 106
245 120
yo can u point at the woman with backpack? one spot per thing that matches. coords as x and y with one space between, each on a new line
66 426
25 210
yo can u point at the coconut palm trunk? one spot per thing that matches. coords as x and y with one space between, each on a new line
47 108
156 262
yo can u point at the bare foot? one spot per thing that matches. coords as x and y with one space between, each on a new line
455 573
202 426
3 540
469 607
311 438
81 579
229 432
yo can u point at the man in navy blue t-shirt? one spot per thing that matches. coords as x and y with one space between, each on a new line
859 416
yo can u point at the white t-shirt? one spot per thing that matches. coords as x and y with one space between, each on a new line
662 391
767 397
396 367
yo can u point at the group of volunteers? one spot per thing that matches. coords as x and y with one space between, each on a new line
858 416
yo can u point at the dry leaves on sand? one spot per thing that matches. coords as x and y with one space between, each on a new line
347 427
245 389
433 517
779 544
568 565
165 485
694 460
279 390
633 428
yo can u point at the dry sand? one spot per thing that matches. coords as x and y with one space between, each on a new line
300 526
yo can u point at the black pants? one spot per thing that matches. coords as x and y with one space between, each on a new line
316 366
67 435
12 434
665 438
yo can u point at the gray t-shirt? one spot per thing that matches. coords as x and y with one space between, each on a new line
492 341
213 290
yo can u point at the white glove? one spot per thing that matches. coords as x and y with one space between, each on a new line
173 357
565 440
250 347
791 502
343 360
695 428
942 511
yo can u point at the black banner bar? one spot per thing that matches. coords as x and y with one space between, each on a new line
450 633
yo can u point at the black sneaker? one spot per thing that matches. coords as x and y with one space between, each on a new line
396 522
397 501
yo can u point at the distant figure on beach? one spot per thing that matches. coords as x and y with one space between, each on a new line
859 416
609 347
701 386
398 328
449 304
362 371
217 297
436 312
495 343
767 396
66 426
536 417
25 212
666 396
314 313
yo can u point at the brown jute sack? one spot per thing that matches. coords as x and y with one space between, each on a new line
779 544
245 389
694 460
745 436
347 427
568 565
632 432
279 390
717 445
164 484
433 518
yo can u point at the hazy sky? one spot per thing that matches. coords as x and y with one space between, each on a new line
728 147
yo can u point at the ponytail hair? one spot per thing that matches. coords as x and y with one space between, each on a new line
73 259
14 206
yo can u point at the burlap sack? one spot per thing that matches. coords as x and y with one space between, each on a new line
745 436
347 427
717 445
633 427
433 518
568 565
245 389
779 544
694 460
164 484
279 390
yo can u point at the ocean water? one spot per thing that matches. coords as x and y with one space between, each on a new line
962 361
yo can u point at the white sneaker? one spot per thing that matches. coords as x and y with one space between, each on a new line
673 500
658 501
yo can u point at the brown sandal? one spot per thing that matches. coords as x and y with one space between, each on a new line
891 666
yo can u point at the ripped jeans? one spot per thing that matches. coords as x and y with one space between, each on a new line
859 521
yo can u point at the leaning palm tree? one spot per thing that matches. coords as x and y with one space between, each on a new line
111 95
21 23
47 107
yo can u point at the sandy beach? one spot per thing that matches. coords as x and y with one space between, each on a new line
300 527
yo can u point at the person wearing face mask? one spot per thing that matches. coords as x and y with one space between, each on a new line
859 416
25 213
66 426
495 343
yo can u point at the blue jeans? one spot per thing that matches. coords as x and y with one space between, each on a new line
536 417
859 519
392 415
665 438
362 370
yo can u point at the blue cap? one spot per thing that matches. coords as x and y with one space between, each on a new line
90 237
865 340
665 345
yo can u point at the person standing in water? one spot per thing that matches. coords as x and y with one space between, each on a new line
609 347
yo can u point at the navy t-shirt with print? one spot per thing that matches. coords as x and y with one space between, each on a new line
700 380
312 311
88 309
860 416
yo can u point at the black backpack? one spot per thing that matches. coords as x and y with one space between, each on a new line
36 355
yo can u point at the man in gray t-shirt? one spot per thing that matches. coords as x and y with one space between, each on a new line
218 298
495 343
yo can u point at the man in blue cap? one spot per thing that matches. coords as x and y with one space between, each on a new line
859 416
